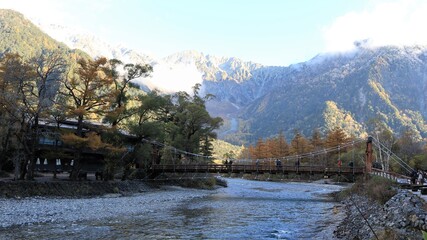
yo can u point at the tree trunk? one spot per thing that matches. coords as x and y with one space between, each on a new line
33 148
76 167
5 146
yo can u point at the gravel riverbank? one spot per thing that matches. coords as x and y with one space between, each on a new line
36 210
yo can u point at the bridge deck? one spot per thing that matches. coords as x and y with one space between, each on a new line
245 168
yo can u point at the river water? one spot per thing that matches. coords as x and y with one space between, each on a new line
243 210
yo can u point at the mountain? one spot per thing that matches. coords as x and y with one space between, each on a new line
19 35
179 71
344 89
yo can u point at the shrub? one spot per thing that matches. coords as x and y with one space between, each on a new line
137 174
380 189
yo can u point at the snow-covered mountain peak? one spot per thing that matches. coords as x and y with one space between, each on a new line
93 45
177 72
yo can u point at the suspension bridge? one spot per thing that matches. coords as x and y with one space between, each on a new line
359 156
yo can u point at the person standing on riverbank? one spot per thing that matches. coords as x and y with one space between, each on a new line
413 176
420 177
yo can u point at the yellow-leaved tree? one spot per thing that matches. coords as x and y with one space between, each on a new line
89 93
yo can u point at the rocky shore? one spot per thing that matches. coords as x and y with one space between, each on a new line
401 217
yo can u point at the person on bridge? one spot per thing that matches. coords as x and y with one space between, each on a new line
278 164
297 163
339 165
257 164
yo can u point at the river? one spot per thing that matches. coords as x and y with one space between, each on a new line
244 210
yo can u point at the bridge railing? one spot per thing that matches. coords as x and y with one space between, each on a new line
262 168
390 175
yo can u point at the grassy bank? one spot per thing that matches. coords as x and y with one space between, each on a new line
375 188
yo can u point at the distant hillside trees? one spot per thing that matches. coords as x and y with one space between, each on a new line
336 145
277 147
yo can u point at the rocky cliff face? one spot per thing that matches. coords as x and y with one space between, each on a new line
386 83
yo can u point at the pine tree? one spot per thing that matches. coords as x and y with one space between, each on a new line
300 144
336 137
283 145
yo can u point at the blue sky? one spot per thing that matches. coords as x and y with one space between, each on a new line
270 32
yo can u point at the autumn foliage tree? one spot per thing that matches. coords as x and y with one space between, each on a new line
336 137
89 94
300 144
277 147
28 88
14 74
49 69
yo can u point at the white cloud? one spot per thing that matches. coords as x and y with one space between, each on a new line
399 22
171 78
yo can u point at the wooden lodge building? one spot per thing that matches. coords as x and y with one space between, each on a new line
54 155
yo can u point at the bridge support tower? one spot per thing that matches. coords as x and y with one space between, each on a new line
369 156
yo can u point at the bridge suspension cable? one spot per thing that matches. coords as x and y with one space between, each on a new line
154 142
394 157
311 154
303 155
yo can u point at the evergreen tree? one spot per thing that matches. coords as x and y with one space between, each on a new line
193 127
282 145
336 137
121 83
